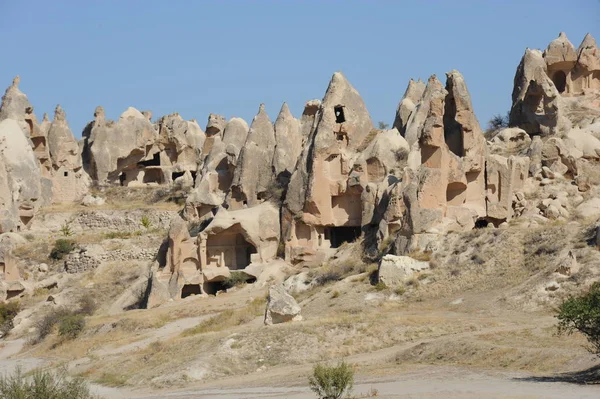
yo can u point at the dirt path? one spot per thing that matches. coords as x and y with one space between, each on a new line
165 332
424 383
8 365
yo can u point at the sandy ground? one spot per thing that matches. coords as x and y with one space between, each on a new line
425 383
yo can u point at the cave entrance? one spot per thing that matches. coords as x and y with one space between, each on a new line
229 248
560 81
211 288
341 234
153 176
190 289
175 175
155 161
339 114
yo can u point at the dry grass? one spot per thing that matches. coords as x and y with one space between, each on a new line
229 318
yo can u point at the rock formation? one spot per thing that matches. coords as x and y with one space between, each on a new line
553 86
20 178
217 172
253 175
233 240
281 307
70 183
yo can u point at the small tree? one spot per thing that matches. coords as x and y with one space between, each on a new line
498 122
381 125
582 314
331 382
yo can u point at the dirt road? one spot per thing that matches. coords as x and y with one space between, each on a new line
426 383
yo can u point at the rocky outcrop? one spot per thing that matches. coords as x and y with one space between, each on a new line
408 104
181 143
217 172
253 176
444 188
232 240
20 178
557 88
114 149
70 183
395 270
15 105
281 307
288 143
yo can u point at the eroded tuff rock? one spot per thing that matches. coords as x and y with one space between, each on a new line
446 181
115 148
20 178
408 104
135 152
547 83
253 175
217 172
15 105
232 240
288 143
70 183
281 307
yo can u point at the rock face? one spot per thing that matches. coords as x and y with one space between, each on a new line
552 88
281 307
324 196
288 143
217 172
446 181
114 150
70 183
20 178
15 105
232 240
394 270
253 175
135 152
408 104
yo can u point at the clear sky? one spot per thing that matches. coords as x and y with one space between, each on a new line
227 57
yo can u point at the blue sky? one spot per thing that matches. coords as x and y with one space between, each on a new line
227 57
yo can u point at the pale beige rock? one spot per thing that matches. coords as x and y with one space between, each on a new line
116 148
15 105
289 143
396 270
444 188
281 307
510 141
408 104
505 177
217 171
253 176
70 183
22 177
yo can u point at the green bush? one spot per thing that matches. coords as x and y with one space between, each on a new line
235 279
8 311
146 222
582 314
331 382
71 326
61 248
66 231
43 385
